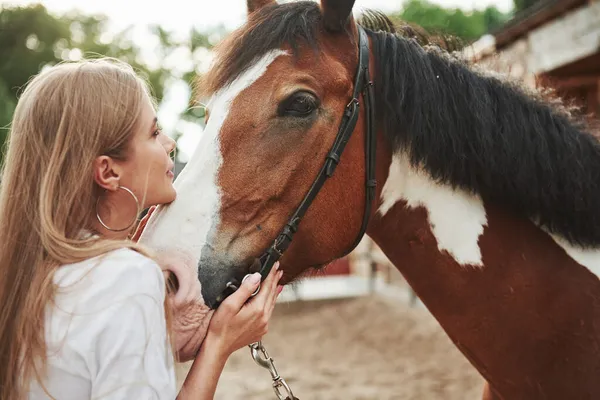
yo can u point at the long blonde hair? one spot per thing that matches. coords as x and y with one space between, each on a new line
65 118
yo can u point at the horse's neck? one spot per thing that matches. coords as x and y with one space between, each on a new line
509 297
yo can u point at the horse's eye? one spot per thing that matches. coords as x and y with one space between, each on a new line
299 104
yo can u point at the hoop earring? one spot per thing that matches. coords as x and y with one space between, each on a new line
137 205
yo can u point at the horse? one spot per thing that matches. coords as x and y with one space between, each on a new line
485 193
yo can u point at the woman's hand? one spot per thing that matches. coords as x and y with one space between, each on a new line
239 321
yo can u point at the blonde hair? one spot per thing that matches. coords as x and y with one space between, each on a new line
65 118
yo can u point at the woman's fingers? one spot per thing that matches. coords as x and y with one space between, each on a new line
262 302
236 300
273 293
267 287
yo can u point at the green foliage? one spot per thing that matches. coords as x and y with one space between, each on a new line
32 38
7 107
494 18
438 20
28 38
521 5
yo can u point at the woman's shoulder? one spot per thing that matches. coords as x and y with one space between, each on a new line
107 326
111 276
98 292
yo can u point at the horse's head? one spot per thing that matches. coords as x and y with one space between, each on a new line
279 88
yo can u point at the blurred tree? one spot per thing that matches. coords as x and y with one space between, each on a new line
32 38
194 50
28 41
89 37
521 5
494 18
438 20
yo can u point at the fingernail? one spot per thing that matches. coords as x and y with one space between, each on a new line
254 278
277 265
279 289
280 274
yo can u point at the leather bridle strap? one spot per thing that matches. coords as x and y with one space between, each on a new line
370 141
362 84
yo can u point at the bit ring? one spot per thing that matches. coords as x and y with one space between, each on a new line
257 289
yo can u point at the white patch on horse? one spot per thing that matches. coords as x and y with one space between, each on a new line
589 258
456 217
184 225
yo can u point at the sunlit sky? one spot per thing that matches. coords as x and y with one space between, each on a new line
178 17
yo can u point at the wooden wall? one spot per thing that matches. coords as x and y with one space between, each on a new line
563 53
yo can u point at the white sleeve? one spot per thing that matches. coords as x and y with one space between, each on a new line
132 356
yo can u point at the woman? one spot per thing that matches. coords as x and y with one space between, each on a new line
82 312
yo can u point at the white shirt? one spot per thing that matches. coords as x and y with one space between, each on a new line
106 333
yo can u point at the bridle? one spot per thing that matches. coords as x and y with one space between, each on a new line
364 85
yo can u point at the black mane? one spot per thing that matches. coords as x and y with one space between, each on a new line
489 136
468 129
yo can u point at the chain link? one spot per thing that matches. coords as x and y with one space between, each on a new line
262 358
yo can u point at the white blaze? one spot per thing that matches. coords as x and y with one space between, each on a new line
456 217
184 225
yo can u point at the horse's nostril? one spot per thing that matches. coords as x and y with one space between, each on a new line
172 283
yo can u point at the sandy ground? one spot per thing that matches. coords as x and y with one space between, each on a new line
361 348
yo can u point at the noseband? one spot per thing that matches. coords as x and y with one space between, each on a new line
364 85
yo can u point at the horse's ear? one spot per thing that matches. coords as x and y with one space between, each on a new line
254 5
336 14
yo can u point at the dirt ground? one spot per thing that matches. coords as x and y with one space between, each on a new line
361 348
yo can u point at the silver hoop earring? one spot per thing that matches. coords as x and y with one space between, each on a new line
137 207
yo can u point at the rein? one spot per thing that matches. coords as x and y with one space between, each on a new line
364 85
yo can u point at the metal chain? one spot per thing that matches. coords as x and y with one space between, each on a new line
262 358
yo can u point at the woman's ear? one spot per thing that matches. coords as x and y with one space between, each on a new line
106 173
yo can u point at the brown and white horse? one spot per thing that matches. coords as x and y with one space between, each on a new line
488 200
